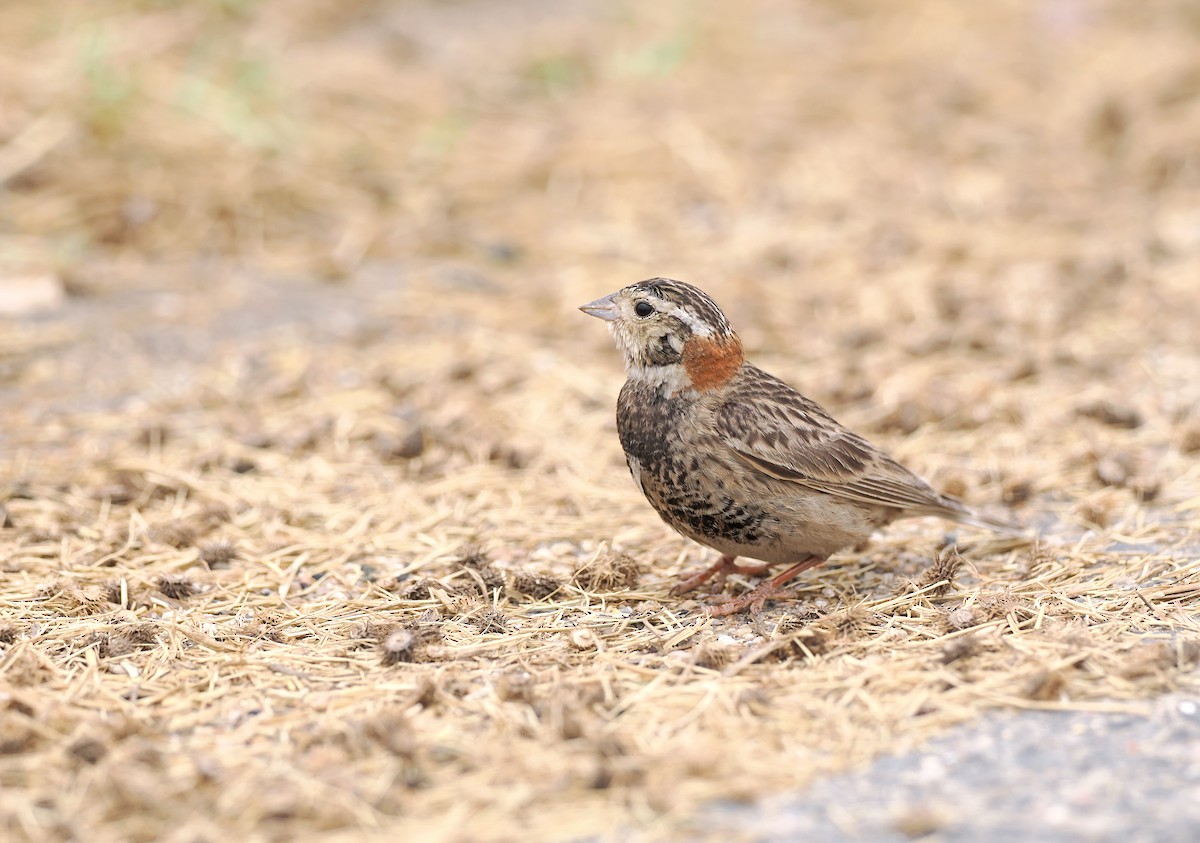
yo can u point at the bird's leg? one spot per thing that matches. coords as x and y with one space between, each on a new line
755 598
722 569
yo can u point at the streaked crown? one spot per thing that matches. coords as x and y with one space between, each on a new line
700 313
671 333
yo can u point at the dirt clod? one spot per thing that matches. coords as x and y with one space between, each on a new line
537 586
1110 413
410 643
218 554
176 586
609 571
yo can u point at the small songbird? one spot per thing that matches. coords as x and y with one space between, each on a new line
736 459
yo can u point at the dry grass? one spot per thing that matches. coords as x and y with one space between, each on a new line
379 571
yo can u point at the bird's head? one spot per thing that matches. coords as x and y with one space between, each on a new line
672 334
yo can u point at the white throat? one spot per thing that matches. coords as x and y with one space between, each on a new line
669 380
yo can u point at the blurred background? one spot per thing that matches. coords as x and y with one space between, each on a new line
533 147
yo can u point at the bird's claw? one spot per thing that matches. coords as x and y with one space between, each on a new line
754 600
718 572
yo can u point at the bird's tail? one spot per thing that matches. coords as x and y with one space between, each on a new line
989 522
963 514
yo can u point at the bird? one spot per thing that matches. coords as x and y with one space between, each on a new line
736 459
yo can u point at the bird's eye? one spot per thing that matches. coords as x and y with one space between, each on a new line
643 309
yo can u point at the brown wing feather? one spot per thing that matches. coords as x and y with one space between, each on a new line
778 431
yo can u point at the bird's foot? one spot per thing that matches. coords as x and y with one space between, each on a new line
718 572
754 599
769 590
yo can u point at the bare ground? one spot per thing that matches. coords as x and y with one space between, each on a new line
314 520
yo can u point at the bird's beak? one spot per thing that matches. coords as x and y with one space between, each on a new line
605 308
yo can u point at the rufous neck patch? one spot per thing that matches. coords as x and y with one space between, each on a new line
712 362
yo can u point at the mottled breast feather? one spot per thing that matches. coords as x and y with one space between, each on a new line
672 463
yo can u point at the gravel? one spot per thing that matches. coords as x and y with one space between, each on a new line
1032 776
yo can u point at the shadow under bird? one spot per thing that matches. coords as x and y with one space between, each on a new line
735 459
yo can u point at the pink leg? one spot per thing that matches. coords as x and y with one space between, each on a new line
756 597
722 569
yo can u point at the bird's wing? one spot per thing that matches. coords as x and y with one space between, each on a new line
779 432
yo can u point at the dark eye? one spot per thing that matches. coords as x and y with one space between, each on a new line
643 309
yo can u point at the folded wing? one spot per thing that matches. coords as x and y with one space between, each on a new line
781 433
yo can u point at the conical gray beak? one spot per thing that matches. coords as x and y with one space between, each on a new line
605 308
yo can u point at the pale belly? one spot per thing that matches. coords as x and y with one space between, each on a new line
775 522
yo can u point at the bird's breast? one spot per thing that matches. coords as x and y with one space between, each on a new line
649 423
682 470
635 471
